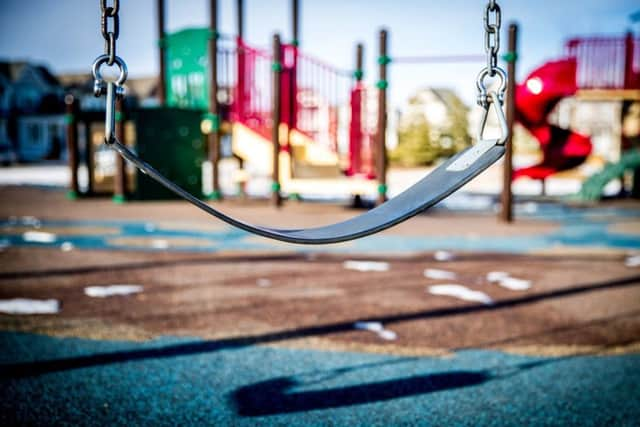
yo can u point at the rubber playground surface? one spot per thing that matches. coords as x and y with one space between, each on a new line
232 329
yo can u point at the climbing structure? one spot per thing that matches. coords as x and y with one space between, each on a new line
326 131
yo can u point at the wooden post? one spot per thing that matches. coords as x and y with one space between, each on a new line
276 96
295 21
162 49
240 18
120 179
276 66
359 74
629 74
72 145
214 135
506 211
381 137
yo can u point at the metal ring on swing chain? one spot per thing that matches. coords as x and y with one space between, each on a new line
482 89
104 59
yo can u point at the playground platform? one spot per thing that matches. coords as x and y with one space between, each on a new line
230 329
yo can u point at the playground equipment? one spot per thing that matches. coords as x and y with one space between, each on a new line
442 182
320 108
596 68
593 187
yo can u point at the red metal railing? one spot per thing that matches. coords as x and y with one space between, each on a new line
251 100
317 101
606 62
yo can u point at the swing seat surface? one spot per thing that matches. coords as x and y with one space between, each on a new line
443 181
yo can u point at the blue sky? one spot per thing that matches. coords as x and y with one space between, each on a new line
64 34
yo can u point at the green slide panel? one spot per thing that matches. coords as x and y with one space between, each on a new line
593 187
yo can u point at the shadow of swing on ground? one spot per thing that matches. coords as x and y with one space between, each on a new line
275 396
278 395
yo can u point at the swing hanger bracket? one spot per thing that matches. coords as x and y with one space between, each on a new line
113 89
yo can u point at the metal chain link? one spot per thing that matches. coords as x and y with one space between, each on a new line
113 89
110 13
492 23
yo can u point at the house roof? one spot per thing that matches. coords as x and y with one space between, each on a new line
11 70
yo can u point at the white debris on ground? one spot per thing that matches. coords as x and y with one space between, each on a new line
443 256
432 273
112 290
377 328
38 237
29 306
366 265
515 284
66 246
632 261
504 279
496 276
160 244
263 283
460 292
26 220
387 335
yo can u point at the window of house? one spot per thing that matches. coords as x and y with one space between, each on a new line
33 130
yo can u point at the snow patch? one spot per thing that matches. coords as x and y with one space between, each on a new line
377 328
29 306
111 290
504 279
496 276
160 244
387 335
66 246
632 261
515 284
38 237
366 265
432 273
460 292
443 256
263 283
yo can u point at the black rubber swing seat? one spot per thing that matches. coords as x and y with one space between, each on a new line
436 186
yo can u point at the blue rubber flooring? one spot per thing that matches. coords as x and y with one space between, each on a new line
181 381
578 227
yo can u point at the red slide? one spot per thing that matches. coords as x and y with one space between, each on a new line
562 149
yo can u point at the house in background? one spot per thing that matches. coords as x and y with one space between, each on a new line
32 112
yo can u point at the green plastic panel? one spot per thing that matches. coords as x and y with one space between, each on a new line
187 65
171 141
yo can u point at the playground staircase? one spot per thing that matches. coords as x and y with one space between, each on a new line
593 187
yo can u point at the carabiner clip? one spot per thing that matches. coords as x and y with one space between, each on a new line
494 99
112 89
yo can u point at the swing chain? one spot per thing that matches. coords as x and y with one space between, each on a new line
110 13
492 23
113 89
